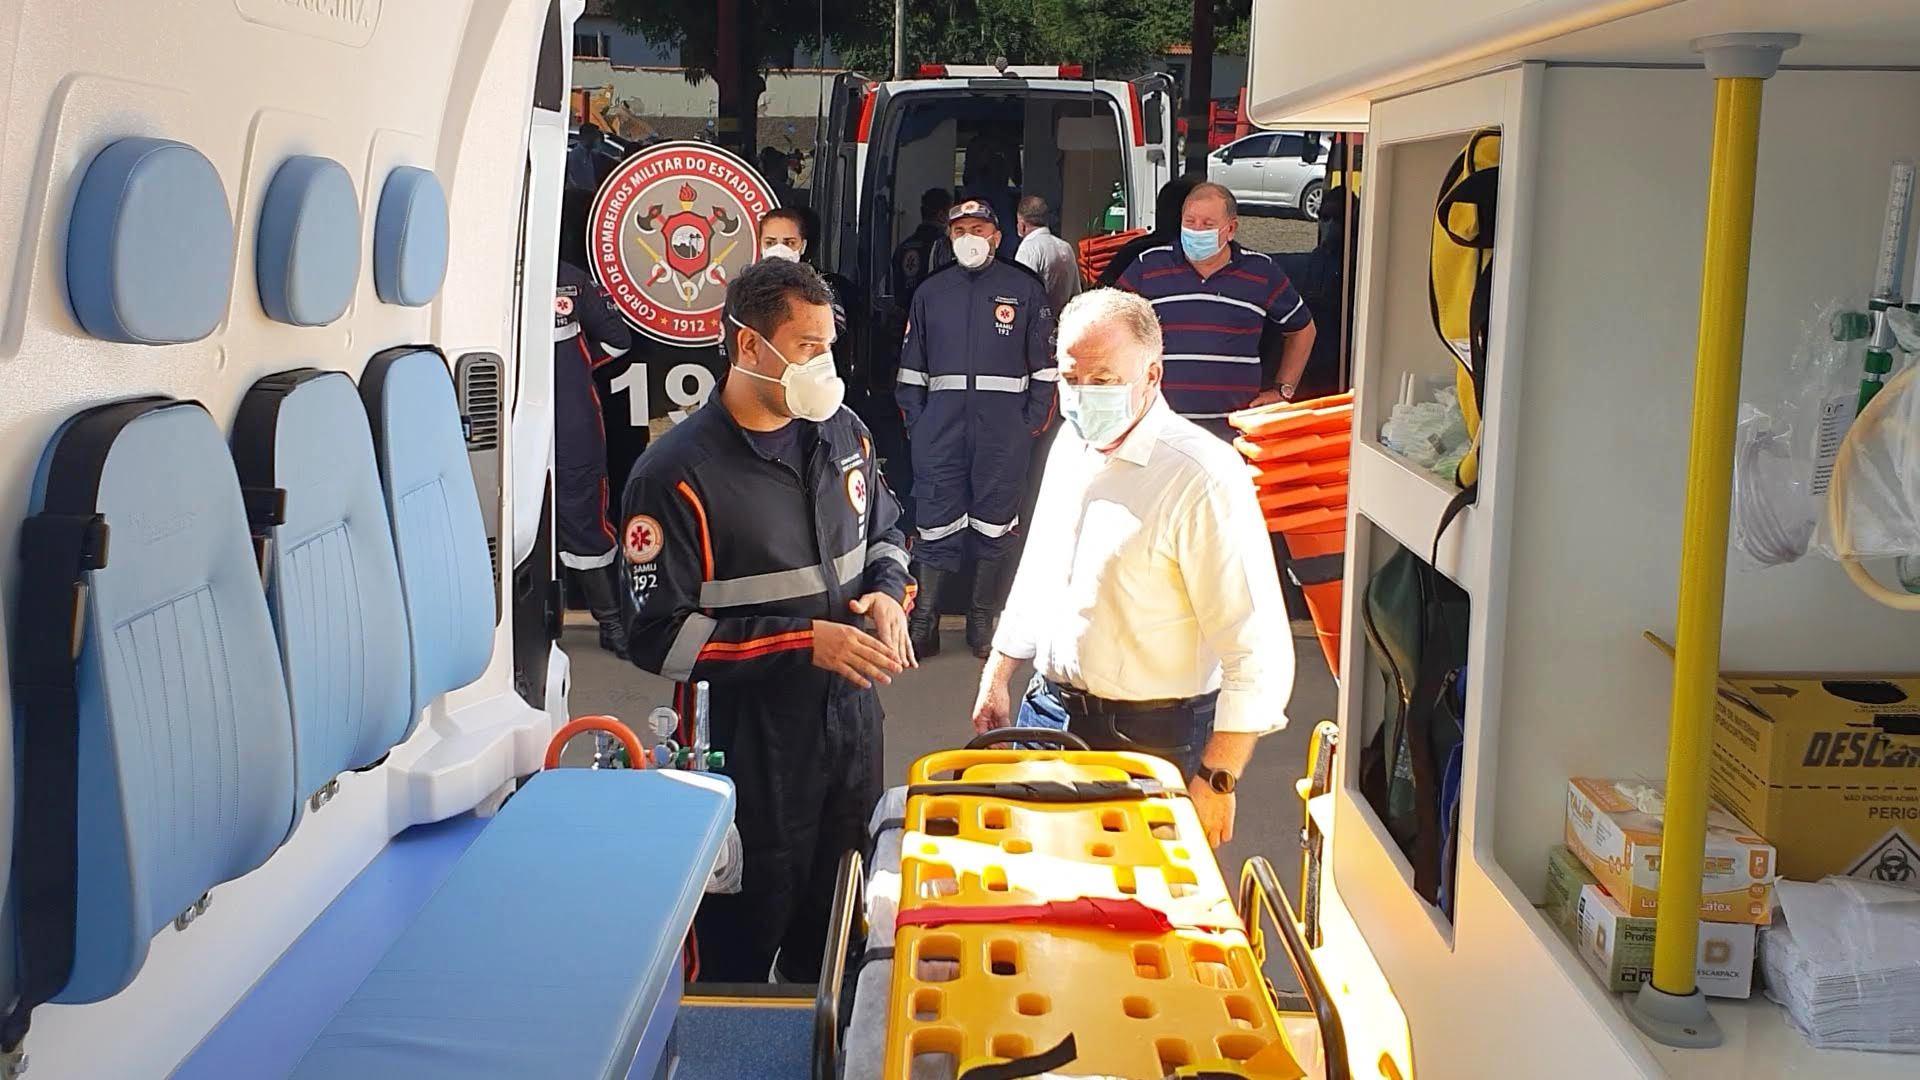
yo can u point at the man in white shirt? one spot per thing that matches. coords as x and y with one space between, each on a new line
1046 254
1146 597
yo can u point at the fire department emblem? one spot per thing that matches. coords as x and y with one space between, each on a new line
1003 314
670 227
641 539
857 491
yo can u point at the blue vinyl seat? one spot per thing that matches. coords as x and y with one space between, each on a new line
446 571
181 775
305 458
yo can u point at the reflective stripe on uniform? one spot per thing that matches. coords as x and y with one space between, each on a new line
763 588
948 382
1004 384
586 562
887 551
693 636
939 532
1047 375
567 332
781 585
910 377
988 528
852 564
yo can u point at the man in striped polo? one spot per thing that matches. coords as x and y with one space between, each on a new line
1237 332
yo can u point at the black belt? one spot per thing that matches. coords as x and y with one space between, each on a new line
1081 704
1163 727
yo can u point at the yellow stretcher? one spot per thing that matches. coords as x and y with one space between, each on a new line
1061 914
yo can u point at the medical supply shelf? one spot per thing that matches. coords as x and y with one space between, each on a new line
1573 545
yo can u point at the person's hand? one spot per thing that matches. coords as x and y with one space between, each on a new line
993 708
1269 396
889 624
1215 810
853 654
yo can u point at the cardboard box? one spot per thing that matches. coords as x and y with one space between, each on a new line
1566 876
1614 827
1826 768
1619 948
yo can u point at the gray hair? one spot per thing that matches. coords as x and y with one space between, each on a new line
1034 210
1100 307
1209 190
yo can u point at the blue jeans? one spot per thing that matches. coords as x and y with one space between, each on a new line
1041 708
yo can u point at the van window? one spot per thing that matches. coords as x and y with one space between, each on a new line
1065 148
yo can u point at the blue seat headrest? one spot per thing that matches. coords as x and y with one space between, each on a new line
410 238
308 252
150 245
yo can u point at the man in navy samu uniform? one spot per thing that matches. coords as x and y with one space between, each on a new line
975 388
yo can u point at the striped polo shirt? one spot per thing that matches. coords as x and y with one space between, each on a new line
1212 326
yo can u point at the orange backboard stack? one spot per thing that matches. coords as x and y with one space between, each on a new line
1299 453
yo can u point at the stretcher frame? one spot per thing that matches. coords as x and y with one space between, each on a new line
1260 895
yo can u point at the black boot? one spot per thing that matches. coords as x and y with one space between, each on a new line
986 605
600 588
923 625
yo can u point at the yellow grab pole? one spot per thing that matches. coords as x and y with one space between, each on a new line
1703 549
1670 1007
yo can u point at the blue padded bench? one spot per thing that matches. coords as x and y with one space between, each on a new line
305 457
156 753
551 943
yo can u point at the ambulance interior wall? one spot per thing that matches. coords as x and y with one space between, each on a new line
924 163
1606 378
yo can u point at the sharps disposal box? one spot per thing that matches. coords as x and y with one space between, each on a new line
1827 769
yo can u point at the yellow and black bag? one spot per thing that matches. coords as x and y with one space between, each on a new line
1460 290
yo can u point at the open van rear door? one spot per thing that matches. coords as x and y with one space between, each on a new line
836 171
1153 148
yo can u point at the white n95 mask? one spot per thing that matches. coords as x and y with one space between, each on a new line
813 390
1100 414
781 252
972 251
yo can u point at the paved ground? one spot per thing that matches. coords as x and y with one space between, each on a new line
927 710
1268 231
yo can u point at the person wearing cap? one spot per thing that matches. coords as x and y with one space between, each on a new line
975 389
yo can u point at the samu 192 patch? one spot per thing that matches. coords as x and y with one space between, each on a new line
642 539
857 491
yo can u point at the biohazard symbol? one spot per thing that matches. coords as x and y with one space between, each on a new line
857 491
641 539
1893 867
1892 860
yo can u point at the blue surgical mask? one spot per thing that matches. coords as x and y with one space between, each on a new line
1200 244
1101 414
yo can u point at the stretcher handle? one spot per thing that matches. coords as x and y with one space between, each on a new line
847 903
1260 890
635 752
1067 740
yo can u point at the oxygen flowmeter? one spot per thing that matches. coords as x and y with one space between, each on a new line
1888 283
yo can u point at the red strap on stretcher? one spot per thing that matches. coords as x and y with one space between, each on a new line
1125 916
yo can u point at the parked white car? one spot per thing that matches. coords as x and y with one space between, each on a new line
1285 170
